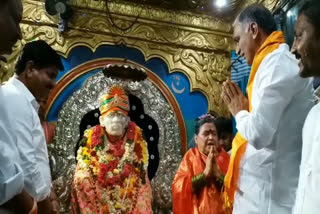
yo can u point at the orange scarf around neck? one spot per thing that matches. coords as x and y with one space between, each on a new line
239 143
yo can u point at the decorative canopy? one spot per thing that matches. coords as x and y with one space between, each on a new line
227 8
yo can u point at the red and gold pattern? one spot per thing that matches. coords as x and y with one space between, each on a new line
115 100
118 170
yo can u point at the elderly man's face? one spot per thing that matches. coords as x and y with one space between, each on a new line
306 47
115 123
10 33
244 38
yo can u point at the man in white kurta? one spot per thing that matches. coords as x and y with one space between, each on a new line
306 47
35 73
308 198
31 141
280 100
269 169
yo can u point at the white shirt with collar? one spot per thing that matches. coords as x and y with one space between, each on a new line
269 169
11 175
308 198
31 141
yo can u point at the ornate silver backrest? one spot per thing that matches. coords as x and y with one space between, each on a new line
62 150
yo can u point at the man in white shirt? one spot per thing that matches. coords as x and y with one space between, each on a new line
306 47
270 122
35 74
12 195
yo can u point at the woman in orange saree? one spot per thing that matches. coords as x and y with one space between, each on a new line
196 187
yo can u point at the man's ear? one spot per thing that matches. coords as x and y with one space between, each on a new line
254 30
29 68
195 137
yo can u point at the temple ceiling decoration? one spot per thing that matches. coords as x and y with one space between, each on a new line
194 41
226 9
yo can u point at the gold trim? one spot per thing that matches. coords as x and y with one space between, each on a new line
197 45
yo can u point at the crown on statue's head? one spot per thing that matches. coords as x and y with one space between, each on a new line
115 100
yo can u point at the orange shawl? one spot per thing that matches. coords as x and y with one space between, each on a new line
209 201
239 143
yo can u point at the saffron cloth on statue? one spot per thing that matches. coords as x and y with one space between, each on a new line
111 174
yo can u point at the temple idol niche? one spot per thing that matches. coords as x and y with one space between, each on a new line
112 161
149 109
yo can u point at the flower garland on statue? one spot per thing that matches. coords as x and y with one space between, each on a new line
119 167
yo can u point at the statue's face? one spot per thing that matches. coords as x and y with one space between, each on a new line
115 123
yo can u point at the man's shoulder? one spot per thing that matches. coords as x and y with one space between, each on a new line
15 101
9 88
12 93
282 65
315 111
311 127
280 56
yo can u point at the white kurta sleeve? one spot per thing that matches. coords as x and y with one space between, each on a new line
275 88
23 127
11 175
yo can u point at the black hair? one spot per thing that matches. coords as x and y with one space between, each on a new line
224 127
311 9
259 14
3 3
201 121
41 54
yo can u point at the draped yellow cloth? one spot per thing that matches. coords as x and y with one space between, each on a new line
185 201
239 143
